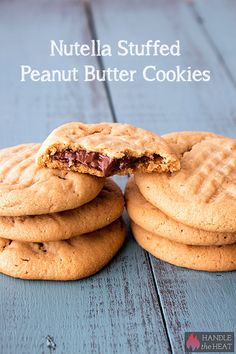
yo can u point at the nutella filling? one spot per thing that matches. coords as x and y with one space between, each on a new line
102 162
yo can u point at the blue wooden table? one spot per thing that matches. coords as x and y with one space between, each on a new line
137 304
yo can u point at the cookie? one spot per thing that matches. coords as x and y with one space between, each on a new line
100 212
106 149
209 258
152 219
27 189
203 193
76 258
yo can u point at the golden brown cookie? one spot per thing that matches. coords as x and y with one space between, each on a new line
72 259
154 220
209 258
100 212
203 193
27 189
106 149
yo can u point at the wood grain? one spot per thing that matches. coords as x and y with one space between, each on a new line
191 300
30 110
102 314
166 106
195 301
218 22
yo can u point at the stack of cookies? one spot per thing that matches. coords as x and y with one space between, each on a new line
60 214
59 211
55 224
188 218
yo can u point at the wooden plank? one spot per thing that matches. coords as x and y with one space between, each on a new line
102 314
172 106
195 301
30 110
191 300
219 22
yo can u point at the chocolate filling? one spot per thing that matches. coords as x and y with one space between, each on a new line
102 162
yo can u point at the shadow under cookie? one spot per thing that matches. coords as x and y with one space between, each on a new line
207 258
154 220
98 213
76 258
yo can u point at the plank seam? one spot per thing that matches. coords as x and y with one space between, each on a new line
93 33
211 41
159 302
